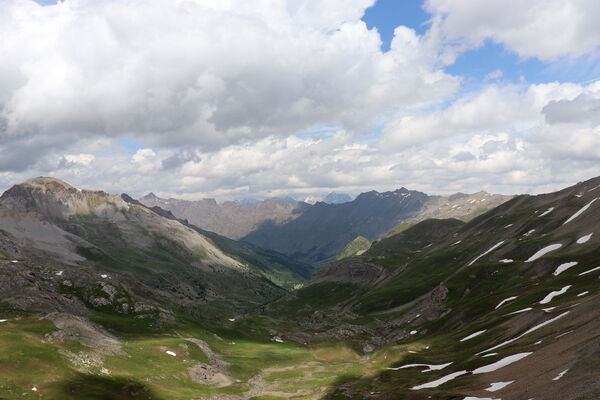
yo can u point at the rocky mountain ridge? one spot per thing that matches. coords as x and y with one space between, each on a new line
316 233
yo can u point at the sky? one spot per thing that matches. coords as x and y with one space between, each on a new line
265 98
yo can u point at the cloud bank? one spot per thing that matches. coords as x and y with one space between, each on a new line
228 99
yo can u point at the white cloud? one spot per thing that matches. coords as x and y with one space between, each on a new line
546 29
207 73
215 91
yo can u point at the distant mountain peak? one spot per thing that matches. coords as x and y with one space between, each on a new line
337 198
150 196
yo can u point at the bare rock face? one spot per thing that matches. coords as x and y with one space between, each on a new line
83 331
209 375
349 271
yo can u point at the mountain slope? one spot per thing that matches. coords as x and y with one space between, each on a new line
356 247
316 233
322 231
144 254
514 291
229 219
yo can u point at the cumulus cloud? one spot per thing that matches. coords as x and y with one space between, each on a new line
204 73
546 29
585 108
217 92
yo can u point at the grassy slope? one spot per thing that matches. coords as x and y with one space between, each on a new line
356 247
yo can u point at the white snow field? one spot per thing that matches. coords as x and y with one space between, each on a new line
528 331
472 335
589 271
520 311
479 398
494 247
560 375
505 301
582 294
585 238
495 386
544 251
581 211
548 211
440 381
430 367
552 295
563 267
501 363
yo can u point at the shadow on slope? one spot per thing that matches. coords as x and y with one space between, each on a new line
94 387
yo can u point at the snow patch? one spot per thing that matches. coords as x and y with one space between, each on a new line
563 334
582 294
231 319
548 211
479 398
59 273
563 267
440 381
506 260
489 355
277 339
495 386
520 311
413 332
494 247
501 363
585 238
505 301
3 320
535 328
594 188
171 353
454 244
547 310
529 232
557 377
508 226
552 295
544 251
581 211
103 276
589 271
472 335
430 367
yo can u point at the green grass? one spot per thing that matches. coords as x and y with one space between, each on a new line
399 229
359 245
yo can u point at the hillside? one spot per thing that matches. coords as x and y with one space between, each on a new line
229 219
461 301
145 253
355 248
322 231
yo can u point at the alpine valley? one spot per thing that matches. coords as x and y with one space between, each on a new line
394 295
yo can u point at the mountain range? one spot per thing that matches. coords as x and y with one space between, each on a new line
317 233
103 297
